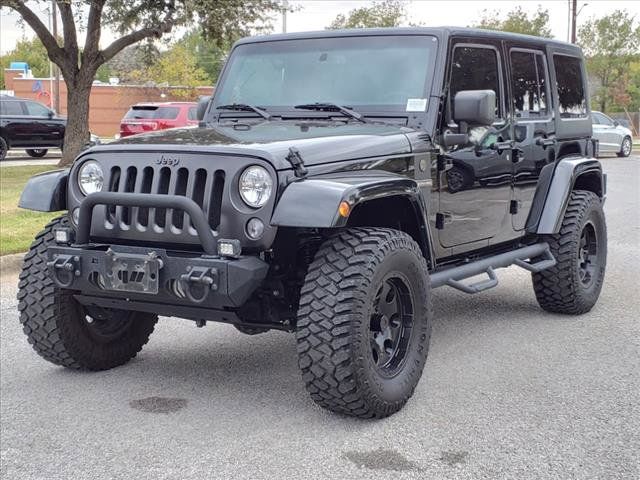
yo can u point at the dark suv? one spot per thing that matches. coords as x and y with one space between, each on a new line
334 180
29 125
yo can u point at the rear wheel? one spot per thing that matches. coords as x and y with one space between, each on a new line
580 247
625 148
364 322
4 148
37 152
63 331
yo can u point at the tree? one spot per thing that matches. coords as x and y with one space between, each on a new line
31 51
517 21
611 45
177 66
135 21
210 56
385 13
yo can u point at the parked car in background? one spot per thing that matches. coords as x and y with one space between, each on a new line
611 135
29 125
147 117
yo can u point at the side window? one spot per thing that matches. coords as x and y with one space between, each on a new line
192 114
529 83
11 107
475 68
36 110
570 84
595 119
604 120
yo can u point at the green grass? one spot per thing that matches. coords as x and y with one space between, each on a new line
18 226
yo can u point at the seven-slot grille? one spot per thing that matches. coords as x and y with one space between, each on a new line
205 187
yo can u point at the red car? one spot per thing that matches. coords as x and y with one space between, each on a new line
147 117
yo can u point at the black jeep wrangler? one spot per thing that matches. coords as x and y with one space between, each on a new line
334 179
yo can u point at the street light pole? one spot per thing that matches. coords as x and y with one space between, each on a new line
574 17
56 70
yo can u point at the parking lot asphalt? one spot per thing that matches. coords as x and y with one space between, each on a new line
509 391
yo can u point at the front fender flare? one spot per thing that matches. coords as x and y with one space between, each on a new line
313 202
46 192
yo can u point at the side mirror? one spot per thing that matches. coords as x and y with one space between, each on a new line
475 107
616 123
51 114
203 103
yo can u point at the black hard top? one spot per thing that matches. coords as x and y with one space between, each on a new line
440 32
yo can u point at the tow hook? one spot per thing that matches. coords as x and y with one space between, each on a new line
198 282
64 269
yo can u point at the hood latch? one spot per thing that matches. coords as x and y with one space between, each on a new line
296 161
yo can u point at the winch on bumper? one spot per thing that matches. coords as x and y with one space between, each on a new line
205 286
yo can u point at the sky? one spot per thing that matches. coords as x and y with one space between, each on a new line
317 14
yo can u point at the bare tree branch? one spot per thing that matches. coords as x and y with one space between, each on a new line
94 31
56 54
134 37
69 31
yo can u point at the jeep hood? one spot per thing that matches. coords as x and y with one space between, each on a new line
317 141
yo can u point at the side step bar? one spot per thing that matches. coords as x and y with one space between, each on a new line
453 276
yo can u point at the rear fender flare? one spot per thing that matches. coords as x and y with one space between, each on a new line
570 173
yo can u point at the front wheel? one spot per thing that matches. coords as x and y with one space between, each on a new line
625 148
573 285
364 322
37 152
63 331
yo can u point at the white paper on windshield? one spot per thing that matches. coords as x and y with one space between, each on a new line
416 104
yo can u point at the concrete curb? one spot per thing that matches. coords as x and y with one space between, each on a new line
11 264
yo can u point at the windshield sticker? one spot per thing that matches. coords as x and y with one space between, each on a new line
416 105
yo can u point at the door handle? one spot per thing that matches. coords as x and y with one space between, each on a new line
545 142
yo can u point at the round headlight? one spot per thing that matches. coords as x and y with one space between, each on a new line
90 177
255 186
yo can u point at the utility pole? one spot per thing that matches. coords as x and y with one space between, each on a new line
574 18
56 70
285 7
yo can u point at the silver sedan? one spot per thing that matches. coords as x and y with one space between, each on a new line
612 137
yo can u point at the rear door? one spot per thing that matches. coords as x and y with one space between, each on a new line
13 120
534 128
475 188
44 129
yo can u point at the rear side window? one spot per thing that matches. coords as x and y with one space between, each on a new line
151 112
36 110
475 68
10 107
192 114
529 84
571 94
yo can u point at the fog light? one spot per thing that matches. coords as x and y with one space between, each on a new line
229 248
255 228
63 235
75 215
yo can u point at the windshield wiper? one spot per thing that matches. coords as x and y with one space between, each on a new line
245 108
332 107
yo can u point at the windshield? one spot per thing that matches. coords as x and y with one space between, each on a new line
389 73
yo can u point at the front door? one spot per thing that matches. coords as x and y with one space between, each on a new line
475 184
605 131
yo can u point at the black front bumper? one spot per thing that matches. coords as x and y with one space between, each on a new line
157 281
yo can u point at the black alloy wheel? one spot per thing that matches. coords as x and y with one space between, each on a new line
390 325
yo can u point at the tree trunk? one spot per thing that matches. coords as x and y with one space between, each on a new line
77 132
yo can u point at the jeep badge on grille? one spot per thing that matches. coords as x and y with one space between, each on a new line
168 161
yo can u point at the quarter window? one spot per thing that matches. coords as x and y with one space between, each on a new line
192 114
570 84
529 83
475 68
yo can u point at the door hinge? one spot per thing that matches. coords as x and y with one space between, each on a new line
441 162
513 207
